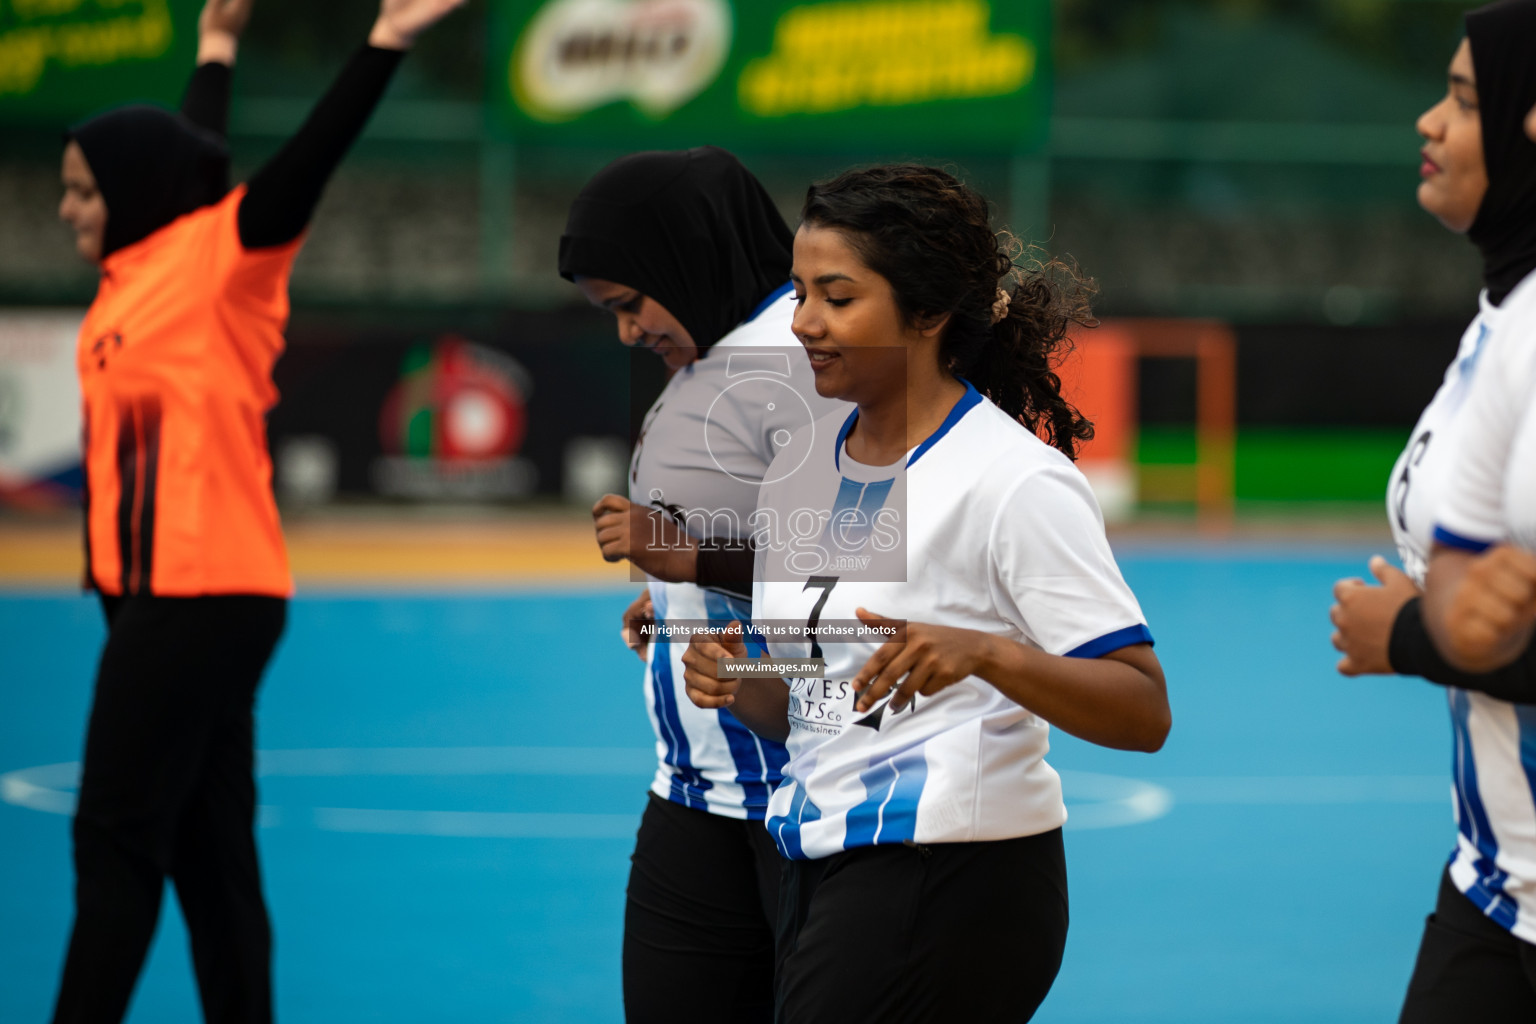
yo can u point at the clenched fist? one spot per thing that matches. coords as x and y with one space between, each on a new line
650 540
219 28
1493 609
1363 616
701 665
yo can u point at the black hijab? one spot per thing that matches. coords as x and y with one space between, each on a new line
1503 39
693 230
151 166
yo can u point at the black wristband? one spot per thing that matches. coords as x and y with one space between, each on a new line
725 568
1412 653
1410 650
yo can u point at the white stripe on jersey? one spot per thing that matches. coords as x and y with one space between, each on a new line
1002 535
707 441
707 760
1491 497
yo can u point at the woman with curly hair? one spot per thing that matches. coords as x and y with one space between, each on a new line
926 878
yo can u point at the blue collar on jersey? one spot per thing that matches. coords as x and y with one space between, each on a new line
967 402
773 296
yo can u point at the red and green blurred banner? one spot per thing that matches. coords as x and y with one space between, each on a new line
63 59
662 73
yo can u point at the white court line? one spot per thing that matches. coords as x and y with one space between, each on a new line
1095 801
47 788
1111 801
1310 789
455 761
476 824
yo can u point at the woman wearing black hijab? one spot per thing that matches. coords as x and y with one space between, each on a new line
182 539
688 252
1477 959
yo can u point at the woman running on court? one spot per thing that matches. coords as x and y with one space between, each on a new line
926 878
688 252
182 539
1478 959
1479 179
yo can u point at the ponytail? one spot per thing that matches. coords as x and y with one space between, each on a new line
1016 365
931 237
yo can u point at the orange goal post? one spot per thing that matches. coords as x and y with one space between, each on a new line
1100 377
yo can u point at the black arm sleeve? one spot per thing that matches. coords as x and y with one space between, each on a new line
282 196
726 568
206 103
1412 653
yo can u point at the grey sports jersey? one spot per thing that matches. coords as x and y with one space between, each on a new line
705 448
720 422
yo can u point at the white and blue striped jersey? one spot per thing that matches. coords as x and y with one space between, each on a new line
1001 534
1419 478
1491 498
706 444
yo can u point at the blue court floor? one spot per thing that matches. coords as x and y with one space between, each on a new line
451 785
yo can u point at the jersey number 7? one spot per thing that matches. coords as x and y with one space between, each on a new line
825 583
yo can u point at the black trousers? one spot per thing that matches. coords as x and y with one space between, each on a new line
168 791
1469 968
904 934
698 920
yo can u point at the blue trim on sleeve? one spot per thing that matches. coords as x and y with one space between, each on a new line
1456 540
1138 634
773 296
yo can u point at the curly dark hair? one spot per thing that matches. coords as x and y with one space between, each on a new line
931 236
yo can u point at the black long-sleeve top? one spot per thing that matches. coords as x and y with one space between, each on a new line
281 197
1412 653
206 103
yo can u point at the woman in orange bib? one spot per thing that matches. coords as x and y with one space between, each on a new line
182 539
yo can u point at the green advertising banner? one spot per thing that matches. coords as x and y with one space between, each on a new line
63 59
772 72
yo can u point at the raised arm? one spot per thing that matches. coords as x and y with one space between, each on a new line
281 197
206 102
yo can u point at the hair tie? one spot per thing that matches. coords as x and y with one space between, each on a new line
1000 305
